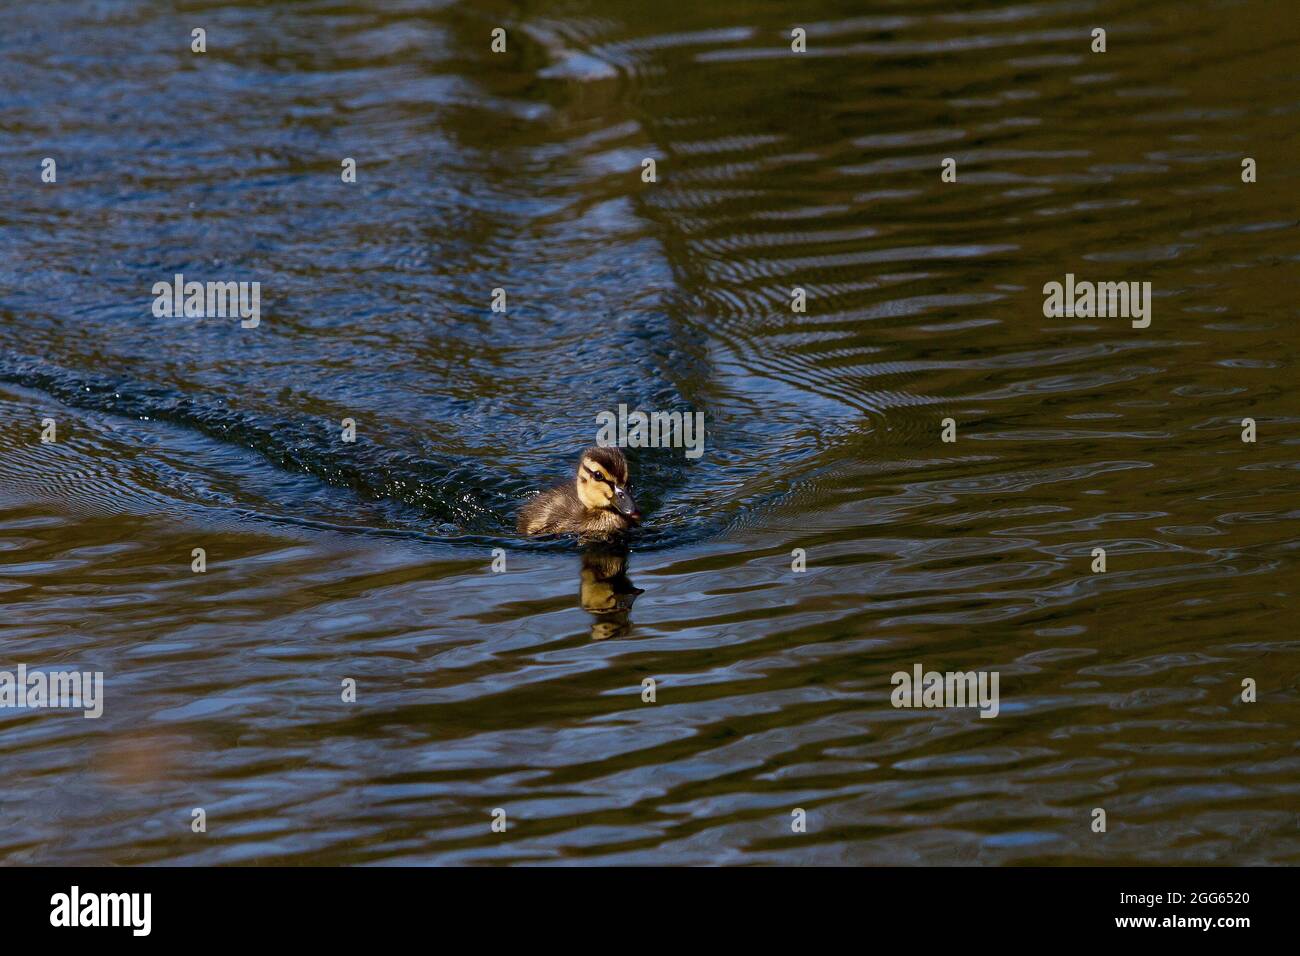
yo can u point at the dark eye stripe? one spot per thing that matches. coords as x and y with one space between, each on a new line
598 476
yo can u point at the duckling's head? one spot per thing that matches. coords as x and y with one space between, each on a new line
602 483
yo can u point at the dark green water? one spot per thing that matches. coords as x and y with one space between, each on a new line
372 561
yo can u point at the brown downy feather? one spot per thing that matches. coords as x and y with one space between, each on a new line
562 510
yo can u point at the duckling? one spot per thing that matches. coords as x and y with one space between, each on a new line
596 506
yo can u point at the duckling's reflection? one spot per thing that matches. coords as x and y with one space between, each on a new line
605 591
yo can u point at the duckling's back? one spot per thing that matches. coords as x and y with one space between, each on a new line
552 512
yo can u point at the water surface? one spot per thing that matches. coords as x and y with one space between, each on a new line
372 561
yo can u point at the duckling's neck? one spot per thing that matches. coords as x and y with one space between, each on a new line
604 522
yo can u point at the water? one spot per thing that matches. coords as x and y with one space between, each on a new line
371 561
